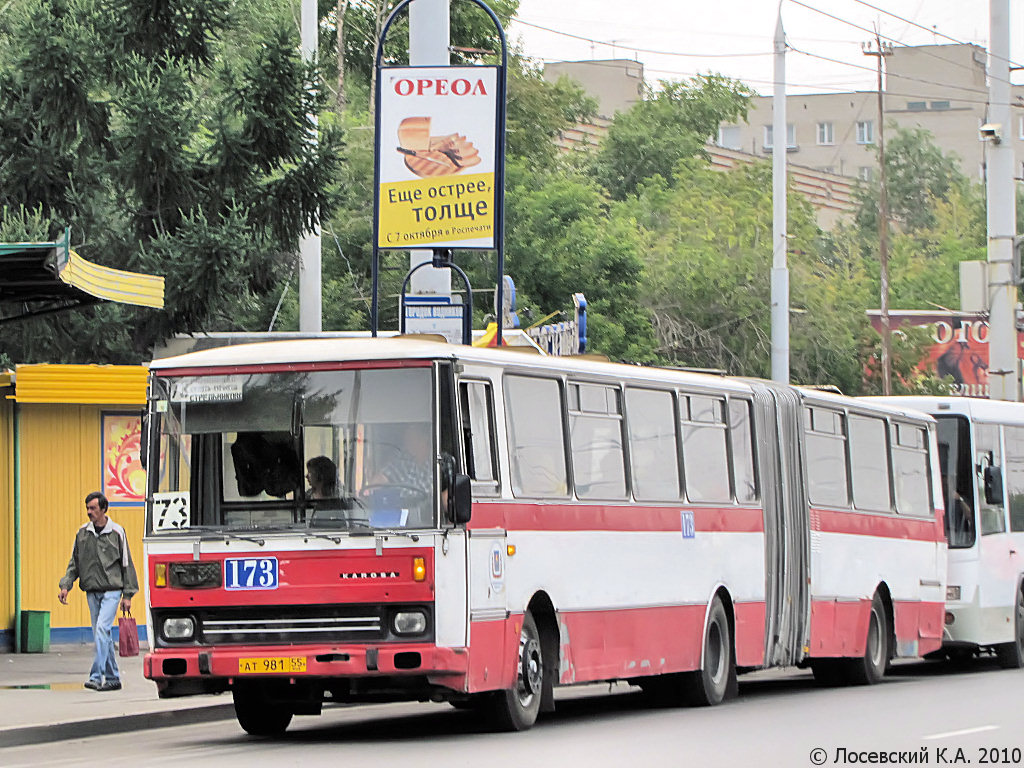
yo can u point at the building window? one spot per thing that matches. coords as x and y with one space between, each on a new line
916 106
729 137
865 173
1020 127
865 132
826 134
790 136
940 105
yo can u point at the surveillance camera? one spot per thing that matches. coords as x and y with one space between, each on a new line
990 132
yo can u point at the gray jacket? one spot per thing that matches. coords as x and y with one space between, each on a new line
101 562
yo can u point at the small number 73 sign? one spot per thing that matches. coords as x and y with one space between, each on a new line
171 511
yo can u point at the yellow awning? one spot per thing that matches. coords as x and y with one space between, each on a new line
113 284
94 384
40 278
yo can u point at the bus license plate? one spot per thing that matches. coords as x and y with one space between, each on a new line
271 665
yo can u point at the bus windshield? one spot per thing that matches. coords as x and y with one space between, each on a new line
348 450
957 471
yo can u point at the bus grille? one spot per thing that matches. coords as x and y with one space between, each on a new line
317 625
266 625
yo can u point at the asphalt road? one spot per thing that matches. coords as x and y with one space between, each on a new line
779 719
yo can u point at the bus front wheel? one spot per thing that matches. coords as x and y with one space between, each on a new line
257 713
1011 655
516 709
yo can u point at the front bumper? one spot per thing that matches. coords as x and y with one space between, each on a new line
324 661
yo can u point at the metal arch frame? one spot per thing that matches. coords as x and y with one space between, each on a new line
499 180
442 259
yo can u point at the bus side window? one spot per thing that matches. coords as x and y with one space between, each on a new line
988 453
477 409
1014 473
536 439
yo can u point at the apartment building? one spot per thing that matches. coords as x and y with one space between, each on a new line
617 84
941 88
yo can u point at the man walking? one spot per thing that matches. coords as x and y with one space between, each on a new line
102 564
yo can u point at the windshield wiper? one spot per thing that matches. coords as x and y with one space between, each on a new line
307 534
230 535
394 532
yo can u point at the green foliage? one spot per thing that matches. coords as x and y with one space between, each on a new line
917 173
670 125
160 162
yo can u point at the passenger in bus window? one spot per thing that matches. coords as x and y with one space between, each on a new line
322 475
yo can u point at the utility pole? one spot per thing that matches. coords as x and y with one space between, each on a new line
310 278
881 50
1003 376
780 271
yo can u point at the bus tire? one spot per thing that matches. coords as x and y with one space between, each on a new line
870 668
516 709
709 685
258 714
1011 655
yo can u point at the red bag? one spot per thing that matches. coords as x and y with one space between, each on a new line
127 635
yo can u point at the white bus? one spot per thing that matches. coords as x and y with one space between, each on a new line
480 526
981 450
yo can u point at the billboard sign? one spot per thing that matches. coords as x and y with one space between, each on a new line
436 157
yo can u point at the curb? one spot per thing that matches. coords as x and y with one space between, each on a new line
35 734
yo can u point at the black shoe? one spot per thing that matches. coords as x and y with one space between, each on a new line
93 685
110 685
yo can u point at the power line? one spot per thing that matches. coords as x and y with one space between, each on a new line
905 77
887 37
612 44
932 30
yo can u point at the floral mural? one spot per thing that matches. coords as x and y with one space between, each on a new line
124 479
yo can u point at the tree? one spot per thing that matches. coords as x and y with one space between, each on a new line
917 173
167 150
667 126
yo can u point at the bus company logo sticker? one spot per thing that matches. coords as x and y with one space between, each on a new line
497 568
686 524
369 575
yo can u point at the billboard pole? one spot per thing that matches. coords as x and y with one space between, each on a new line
442 186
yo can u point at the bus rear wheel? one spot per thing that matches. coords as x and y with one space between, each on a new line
1011 655
870 668
257 713
709 684
516 709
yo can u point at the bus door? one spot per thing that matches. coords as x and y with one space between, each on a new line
487 545
997 577
777 428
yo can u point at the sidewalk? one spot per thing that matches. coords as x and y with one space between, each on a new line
43 699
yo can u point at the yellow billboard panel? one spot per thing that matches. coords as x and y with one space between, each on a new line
437 210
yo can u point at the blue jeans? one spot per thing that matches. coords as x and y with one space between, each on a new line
102 609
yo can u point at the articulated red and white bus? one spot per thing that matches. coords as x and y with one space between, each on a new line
401 519
981 455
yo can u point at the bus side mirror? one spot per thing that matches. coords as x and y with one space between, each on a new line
462 500
993 485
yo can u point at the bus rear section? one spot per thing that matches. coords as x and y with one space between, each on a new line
981 453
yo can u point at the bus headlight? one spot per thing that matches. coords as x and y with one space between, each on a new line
179 628
409 623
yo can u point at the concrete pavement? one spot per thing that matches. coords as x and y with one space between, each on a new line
42 698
